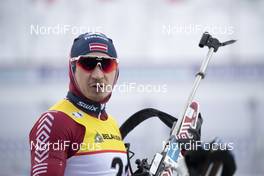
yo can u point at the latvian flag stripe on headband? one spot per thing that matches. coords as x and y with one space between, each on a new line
98 46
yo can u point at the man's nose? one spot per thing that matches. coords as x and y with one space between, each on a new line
97 73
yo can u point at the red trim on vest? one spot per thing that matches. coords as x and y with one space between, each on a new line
101 151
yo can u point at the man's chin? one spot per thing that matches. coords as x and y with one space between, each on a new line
99 97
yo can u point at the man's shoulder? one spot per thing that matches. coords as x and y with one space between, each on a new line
55 121
53 127
52 115
66 107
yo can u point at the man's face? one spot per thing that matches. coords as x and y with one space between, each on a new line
88 81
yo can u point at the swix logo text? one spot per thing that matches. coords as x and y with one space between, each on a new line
86 106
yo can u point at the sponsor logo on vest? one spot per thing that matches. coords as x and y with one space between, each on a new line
98 138
77 114
86 106
111 137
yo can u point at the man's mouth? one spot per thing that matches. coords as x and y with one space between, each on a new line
98 85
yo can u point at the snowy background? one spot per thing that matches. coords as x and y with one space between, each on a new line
157 43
